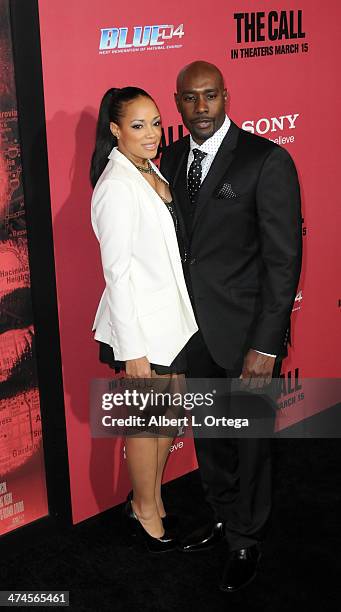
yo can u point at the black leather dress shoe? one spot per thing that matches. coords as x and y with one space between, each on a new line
203 538
240 569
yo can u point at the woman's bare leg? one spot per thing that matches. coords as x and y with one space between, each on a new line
164 445
142 461
146 459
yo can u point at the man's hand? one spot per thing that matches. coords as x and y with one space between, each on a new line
138 368
257 369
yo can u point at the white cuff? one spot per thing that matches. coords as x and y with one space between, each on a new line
267 354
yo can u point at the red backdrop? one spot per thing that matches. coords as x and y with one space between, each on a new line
23 496
284 88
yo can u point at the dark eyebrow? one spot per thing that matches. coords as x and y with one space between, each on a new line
142 120
196 91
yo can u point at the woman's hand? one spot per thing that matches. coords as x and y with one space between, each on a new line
138 368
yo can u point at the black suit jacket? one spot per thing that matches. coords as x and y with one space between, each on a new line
244 242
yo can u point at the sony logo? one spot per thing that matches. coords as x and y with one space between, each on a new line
265 125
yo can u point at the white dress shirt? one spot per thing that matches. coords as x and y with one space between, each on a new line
211 147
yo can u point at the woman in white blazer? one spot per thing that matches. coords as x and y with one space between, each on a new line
144 318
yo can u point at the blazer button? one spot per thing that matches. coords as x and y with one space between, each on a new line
192 261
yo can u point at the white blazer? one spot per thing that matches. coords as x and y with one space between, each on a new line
144 309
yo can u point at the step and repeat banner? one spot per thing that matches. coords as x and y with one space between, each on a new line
279 64
23 496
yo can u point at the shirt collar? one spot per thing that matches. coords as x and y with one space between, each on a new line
212 144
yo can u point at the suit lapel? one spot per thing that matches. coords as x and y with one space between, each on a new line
179 190
183 156
219 167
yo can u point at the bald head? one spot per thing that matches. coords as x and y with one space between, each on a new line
201 98
197 69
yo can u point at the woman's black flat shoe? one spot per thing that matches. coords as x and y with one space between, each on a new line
155 545
170 521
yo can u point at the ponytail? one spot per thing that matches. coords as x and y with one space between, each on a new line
110 110
105 140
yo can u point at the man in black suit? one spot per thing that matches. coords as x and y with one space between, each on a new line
238 200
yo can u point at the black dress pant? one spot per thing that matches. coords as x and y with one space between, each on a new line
235 472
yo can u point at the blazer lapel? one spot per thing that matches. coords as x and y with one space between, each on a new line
220 165
158 206
167 227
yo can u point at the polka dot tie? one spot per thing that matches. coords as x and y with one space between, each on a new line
194 175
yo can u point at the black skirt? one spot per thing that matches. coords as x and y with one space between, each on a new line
178 365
